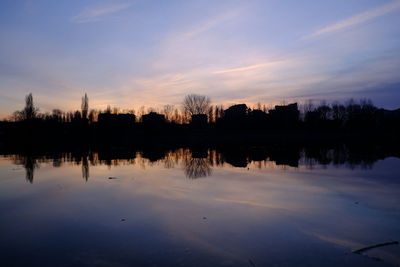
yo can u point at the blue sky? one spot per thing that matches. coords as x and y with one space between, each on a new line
144 52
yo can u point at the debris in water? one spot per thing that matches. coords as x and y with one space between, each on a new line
204 218
112 177
122 220
360 251
356 202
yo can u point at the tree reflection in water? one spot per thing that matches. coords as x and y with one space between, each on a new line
29 162
85 168
30 165
198 161
197 168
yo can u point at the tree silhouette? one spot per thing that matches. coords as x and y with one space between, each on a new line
85 106
30 111
196 104
197 118
168 111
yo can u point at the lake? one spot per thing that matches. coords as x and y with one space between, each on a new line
202 206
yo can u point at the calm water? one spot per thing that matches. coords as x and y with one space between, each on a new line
198 208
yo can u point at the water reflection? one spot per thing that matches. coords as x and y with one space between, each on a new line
29 162
198 162
197 168
268 205
85 168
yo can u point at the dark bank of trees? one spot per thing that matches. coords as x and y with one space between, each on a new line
198 117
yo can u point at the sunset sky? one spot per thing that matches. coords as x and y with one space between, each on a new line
153 52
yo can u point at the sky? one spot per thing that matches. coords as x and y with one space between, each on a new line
132 53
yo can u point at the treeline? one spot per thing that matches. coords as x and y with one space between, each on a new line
171 113
197 115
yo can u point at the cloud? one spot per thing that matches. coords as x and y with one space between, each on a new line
94 14
246 68
209 24
197 29
357 19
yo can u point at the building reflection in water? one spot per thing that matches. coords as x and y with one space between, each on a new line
198 162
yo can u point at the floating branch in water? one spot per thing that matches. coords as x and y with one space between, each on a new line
360 251
252 263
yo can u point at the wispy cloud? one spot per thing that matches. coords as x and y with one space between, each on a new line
246 68
208 24
95 14
357 19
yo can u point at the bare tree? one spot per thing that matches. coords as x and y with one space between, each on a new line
196 104
324 111
168 111
17 116
141 111
219 112
115 110
177 117
210 114
57 115
151 109
77 116
338 111
307 107
131 111
85 106
93 115
30 112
